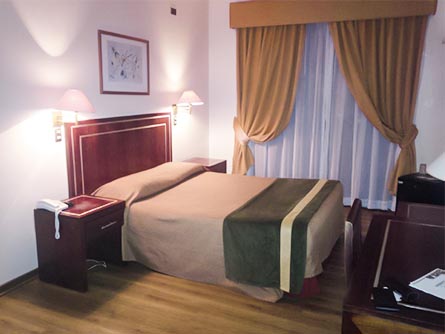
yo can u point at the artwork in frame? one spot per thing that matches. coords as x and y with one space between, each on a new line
123 64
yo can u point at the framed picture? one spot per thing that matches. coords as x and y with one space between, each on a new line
123 64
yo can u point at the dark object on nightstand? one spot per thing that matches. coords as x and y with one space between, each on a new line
212 165
420 188
384 300
89 229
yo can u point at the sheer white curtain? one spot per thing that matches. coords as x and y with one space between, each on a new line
328 136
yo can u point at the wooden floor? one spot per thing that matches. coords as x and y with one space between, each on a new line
133 299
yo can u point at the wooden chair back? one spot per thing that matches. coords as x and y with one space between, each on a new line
353 239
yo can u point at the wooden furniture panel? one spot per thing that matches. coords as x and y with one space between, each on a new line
411 250
119 146
373 325
59 263
433 214
91 228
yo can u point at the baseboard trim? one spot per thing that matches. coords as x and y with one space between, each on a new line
17 282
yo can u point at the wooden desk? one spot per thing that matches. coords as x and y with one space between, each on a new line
412 250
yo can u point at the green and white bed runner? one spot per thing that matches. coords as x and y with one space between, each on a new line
265 240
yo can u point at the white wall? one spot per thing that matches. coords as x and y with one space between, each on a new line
222 81
430 112
50 46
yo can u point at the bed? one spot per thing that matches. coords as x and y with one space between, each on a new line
178 218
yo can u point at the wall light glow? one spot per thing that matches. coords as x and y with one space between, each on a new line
51 73
174 57
52 24
174 68
37 130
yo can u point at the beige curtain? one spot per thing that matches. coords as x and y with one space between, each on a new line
380 60
269 61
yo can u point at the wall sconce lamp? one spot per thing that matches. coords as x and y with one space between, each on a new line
73 100
184 105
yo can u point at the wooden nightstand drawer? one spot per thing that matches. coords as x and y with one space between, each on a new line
104 238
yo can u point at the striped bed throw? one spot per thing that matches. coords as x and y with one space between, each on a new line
265 240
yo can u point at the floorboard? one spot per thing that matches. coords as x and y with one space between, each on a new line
133 299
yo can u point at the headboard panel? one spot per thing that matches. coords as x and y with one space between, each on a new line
101 150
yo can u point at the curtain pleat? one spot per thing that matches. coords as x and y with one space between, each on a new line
380 60
269 60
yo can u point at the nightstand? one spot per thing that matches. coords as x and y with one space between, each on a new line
213 165
89 229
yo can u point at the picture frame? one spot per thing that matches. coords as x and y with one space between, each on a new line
123 64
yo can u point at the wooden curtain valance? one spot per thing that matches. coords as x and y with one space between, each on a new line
271 13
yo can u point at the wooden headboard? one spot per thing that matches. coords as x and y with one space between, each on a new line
101 150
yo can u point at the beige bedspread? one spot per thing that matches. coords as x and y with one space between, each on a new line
179 231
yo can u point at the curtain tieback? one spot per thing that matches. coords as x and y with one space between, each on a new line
410 137
240 135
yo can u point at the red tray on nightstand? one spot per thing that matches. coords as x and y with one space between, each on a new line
85 204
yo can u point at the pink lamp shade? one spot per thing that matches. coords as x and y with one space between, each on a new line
188 98
74 100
